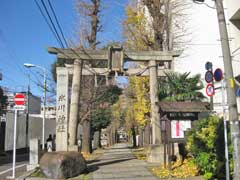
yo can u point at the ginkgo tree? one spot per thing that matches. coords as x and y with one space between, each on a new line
137 37
138 107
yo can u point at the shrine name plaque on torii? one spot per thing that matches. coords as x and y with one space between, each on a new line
115 58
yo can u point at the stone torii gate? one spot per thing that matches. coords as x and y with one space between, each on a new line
66 117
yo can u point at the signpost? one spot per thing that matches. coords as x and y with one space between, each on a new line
209 76
210 90
218 74
238 92
19 100
208 66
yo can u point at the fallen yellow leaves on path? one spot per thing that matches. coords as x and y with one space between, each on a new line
179 170
140 153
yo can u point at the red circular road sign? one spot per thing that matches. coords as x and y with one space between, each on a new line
19 99
210 90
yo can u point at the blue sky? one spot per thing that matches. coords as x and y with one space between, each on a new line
25 36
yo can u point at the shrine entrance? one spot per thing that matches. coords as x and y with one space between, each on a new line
156 64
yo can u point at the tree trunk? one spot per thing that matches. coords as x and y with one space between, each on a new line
140 144
113 136
86 137
110 137
134 137
96 139
147 134
116 137
99 140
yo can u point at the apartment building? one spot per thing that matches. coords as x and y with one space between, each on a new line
233 15
203 42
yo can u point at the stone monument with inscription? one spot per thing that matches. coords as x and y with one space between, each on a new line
62 109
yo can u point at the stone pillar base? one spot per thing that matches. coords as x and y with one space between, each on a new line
73 148
155 153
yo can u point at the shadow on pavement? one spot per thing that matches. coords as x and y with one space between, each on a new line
95 166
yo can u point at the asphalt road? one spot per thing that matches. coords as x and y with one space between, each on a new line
6 165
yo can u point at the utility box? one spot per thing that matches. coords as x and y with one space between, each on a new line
115 58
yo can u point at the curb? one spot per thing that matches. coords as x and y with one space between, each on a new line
25 175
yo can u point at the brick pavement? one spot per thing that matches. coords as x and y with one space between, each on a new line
118 163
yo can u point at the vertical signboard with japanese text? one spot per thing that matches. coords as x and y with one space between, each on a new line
178 127
62 111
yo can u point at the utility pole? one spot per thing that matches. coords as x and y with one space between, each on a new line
44 106
28 65
231 96
27 112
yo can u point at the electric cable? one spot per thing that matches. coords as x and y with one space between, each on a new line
58 24
49 25
53 25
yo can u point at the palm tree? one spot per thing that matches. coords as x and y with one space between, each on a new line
180 87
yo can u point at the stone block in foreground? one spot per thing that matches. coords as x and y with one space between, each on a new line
62 165
155 154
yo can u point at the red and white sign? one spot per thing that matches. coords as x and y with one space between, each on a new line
178 128
19 99
210 90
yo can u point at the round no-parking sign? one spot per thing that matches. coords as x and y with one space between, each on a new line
210 90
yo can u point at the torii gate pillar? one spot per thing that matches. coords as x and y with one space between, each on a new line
155 119
74 107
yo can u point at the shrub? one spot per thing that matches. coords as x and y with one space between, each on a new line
206 143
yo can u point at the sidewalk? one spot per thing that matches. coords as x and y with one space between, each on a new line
6 164
118 163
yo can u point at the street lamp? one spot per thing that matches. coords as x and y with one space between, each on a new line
231 96
27 65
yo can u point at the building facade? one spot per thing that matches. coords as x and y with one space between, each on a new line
202 43
233 15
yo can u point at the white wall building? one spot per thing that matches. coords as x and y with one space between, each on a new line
205 45
233 9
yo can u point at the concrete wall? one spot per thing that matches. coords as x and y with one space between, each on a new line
35 130
233 15
34 104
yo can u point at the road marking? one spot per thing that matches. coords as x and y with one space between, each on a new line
10 169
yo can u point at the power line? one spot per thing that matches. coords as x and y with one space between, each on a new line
53 25
49 25
58 24
61 31
62 34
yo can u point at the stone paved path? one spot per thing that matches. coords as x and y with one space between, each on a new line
118 163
